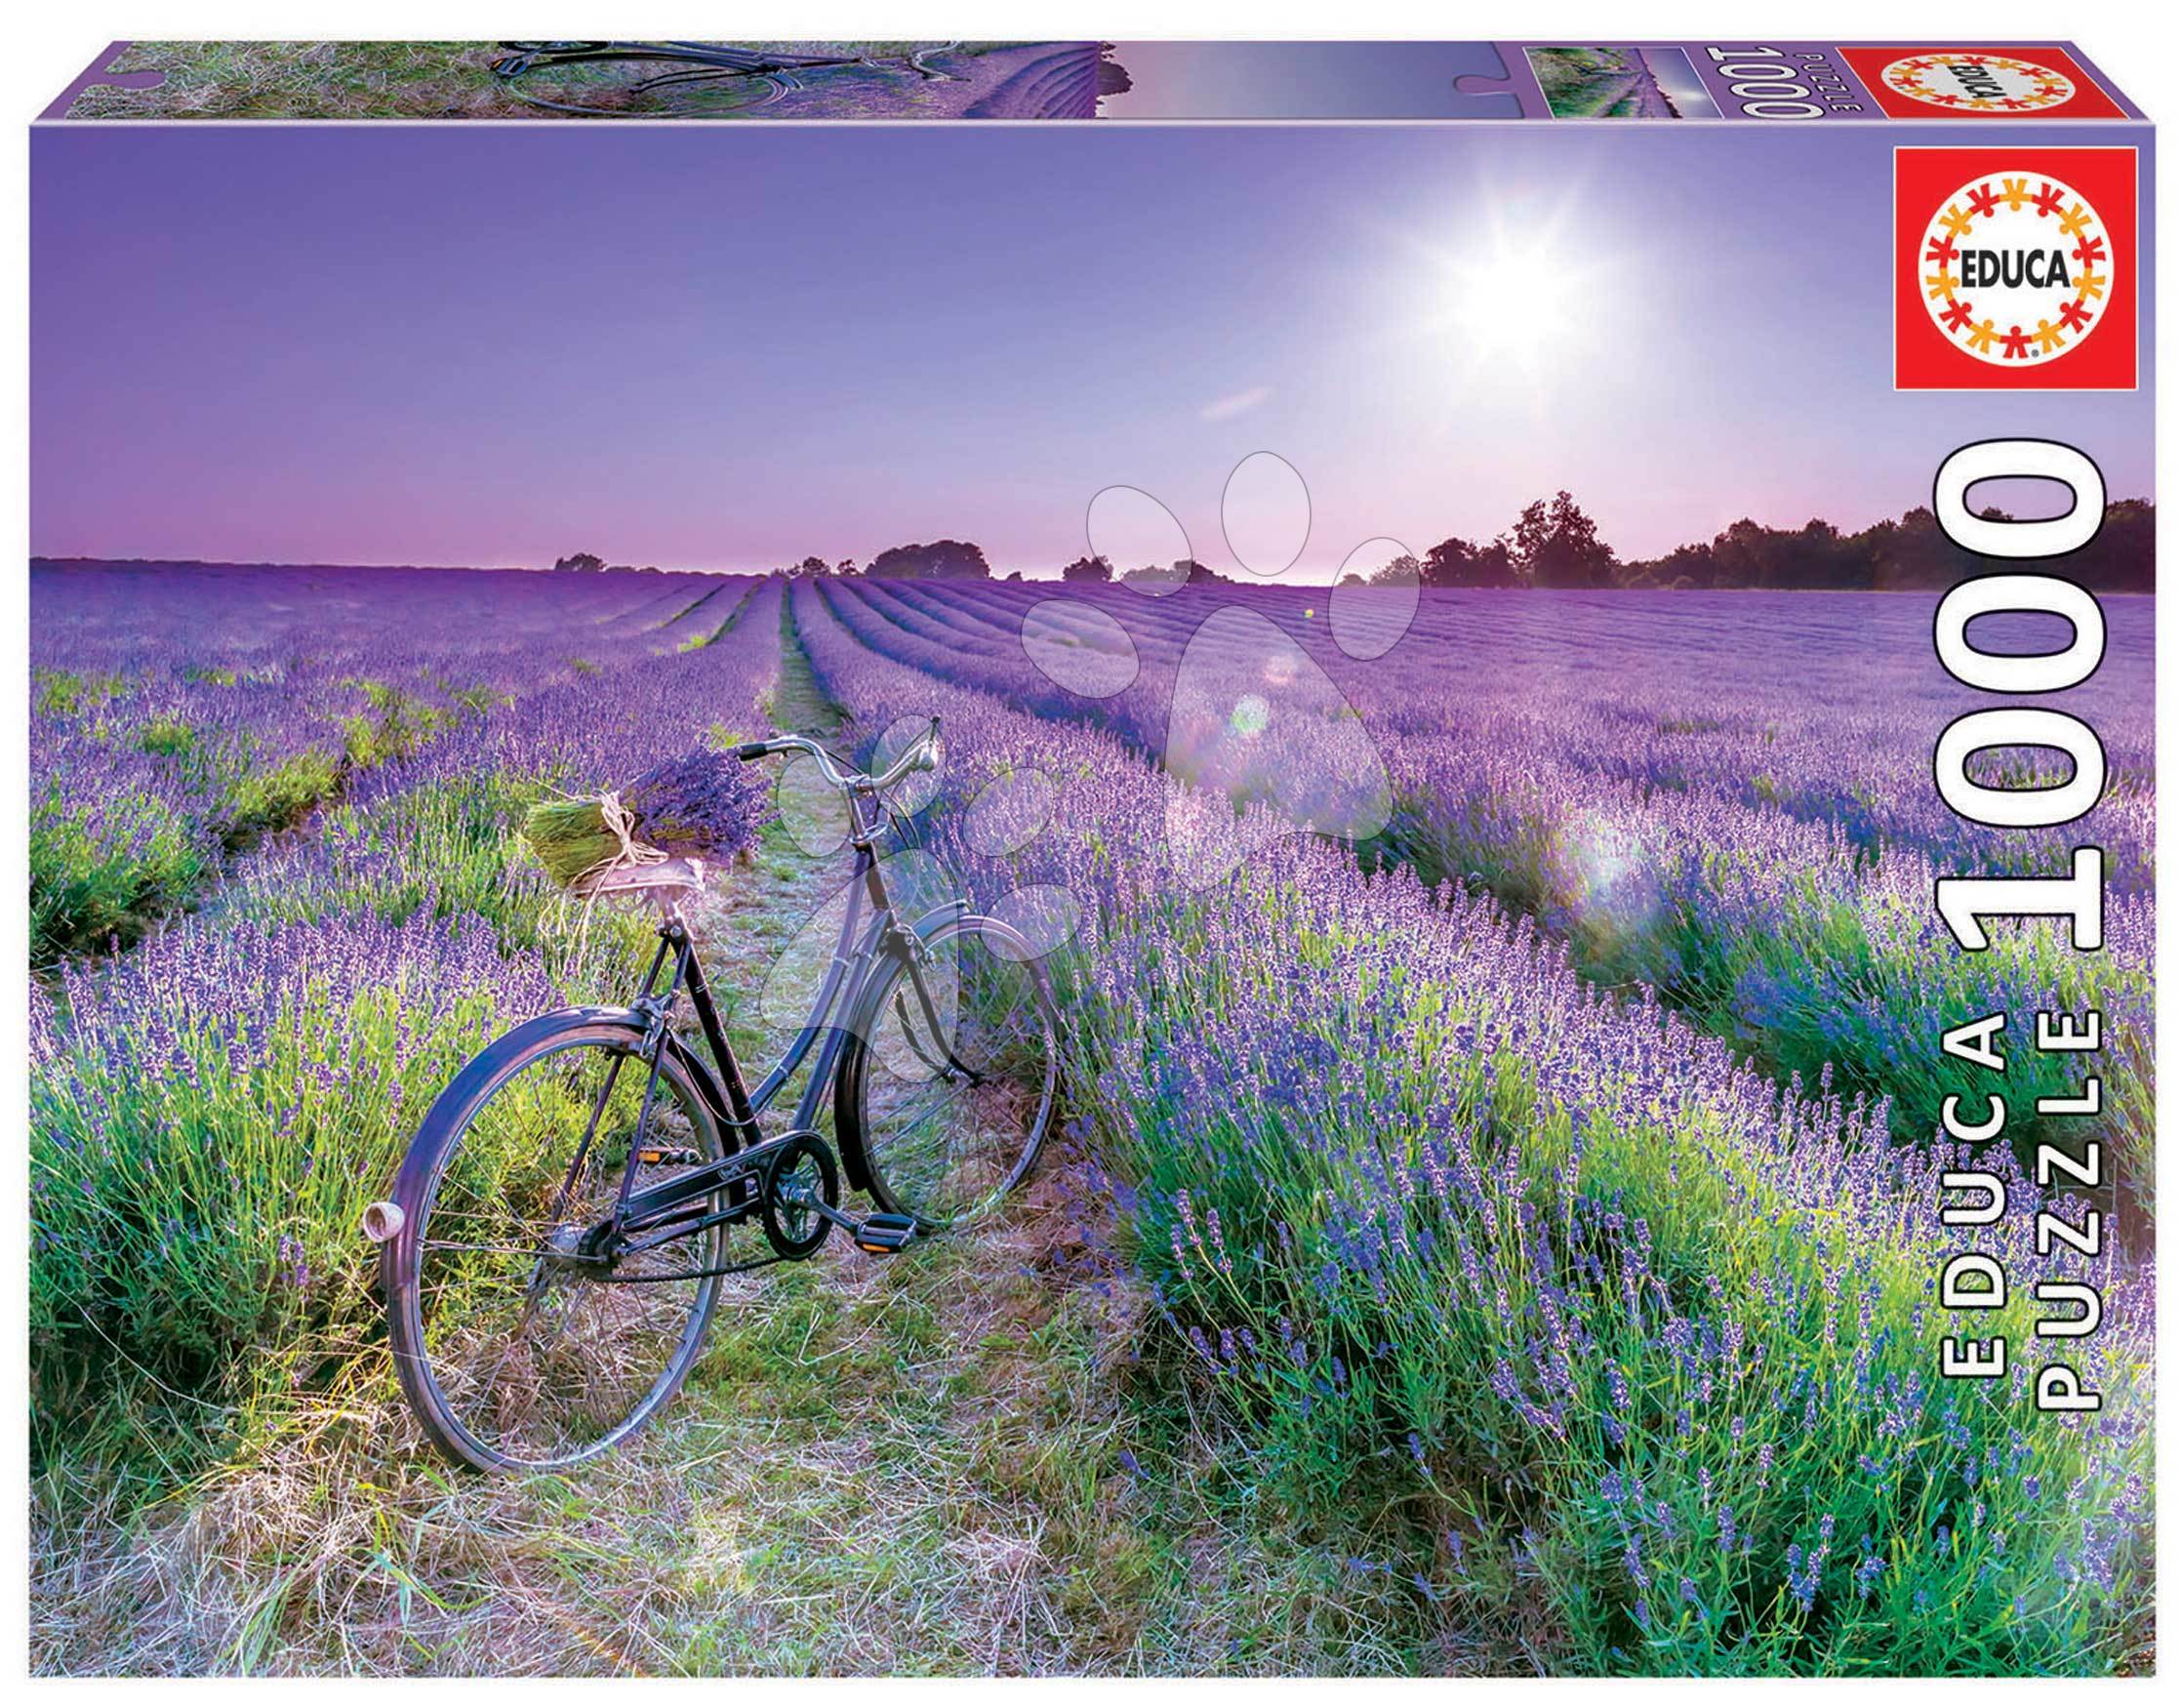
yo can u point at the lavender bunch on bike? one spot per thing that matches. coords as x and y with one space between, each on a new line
702 804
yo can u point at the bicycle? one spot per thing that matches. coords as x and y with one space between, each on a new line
552 1247
699 79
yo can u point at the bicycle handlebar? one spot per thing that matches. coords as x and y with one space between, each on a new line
922 756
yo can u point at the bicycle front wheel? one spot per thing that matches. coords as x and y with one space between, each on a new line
951 1076
515 1350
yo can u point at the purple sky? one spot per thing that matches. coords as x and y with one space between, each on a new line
673 345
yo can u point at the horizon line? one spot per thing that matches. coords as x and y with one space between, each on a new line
1043 572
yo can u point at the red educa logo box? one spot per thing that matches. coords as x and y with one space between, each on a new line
2015 269
1430 769
1980 84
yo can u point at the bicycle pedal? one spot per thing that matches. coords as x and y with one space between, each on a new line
660 1155
884 1233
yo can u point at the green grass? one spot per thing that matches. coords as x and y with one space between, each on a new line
1582 82
237 1139
936 1464
396 727
960 1460
90 886
72 693
970 1458
170 736
177 1198
306 80
278 796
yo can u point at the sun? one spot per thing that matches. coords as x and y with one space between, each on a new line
1521 306
1519 301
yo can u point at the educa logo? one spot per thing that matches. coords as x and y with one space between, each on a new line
1979 82
2015 269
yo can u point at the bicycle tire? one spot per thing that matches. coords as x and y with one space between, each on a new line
410 1285
892 1057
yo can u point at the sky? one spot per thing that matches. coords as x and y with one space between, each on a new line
496 344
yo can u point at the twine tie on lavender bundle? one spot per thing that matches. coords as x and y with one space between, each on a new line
632 855
698 806
629 857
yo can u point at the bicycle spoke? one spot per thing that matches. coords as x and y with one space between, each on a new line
533 1353
958 1081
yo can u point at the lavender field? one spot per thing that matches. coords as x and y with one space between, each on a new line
1504 1091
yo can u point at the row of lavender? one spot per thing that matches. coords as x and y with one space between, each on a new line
211 1108
1640 1346
1725 797
178 714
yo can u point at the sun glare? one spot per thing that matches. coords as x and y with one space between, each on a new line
1520 301
1521 306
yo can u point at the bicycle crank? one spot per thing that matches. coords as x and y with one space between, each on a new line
800 1204
798 1194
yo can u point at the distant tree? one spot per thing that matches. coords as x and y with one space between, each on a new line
1496 566
1555 544
1092 568
1456 563
1014 575
1353 580
1447 564
2122 558
1685 566
812 565
1181 572
1405 570
846 566
587 561
940 560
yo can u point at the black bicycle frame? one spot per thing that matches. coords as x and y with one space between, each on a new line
855 954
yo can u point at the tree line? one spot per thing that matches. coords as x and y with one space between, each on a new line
1555 543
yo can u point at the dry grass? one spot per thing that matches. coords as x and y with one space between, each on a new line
912 1466
795 1512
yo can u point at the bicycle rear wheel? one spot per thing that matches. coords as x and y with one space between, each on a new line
515 1350
949 1083
623 79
